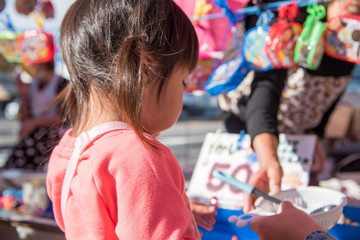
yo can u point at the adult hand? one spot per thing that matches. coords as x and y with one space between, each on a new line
203 214
336 7
268 178
290 224
319 157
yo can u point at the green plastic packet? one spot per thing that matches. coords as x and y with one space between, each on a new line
309 49
8 47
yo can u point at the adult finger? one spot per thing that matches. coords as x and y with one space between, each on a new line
275 175
248 203
249 200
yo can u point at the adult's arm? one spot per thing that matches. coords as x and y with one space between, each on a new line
261 120
261 124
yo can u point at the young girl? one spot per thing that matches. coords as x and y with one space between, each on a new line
109 178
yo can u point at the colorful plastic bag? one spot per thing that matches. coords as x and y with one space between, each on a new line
309 49
8 46
343 38
36 46
227 76
213 35
282 37
254 44
230 74
254 48
200 74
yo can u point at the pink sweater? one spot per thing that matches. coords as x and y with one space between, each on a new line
121 190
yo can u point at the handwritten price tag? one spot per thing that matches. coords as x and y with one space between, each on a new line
223 152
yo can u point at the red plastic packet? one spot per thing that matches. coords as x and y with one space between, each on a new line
35 46
282 37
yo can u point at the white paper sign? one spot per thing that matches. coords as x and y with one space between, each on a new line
223 151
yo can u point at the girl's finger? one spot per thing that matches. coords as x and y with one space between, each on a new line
210 219
202 223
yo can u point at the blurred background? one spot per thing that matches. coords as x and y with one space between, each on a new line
200 115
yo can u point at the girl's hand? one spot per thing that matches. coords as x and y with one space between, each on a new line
203 214
290 223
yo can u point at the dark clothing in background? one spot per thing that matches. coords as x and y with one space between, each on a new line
261 106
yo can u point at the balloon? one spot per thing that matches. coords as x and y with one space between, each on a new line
47 9
25 6
2 5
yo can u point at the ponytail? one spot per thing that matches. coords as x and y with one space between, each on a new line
130 74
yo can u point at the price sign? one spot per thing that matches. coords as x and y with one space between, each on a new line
224 152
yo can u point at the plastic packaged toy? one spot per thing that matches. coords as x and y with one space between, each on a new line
254 44
343 38
35 47
227 76
230 74
282 37
8 46
309 49
200 74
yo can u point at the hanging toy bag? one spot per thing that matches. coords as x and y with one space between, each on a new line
8 46
198 77
208 47
254 44
343 37
228 75
282 37
36 46
309 49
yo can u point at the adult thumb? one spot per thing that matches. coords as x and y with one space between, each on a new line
275 176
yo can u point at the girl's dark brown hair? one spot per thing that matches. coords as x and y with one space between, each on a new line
115 47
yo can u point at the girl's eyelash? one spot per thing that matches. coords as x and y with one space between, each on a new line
184 84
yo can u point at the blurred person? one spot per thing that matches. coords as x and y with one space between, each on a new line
40 121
